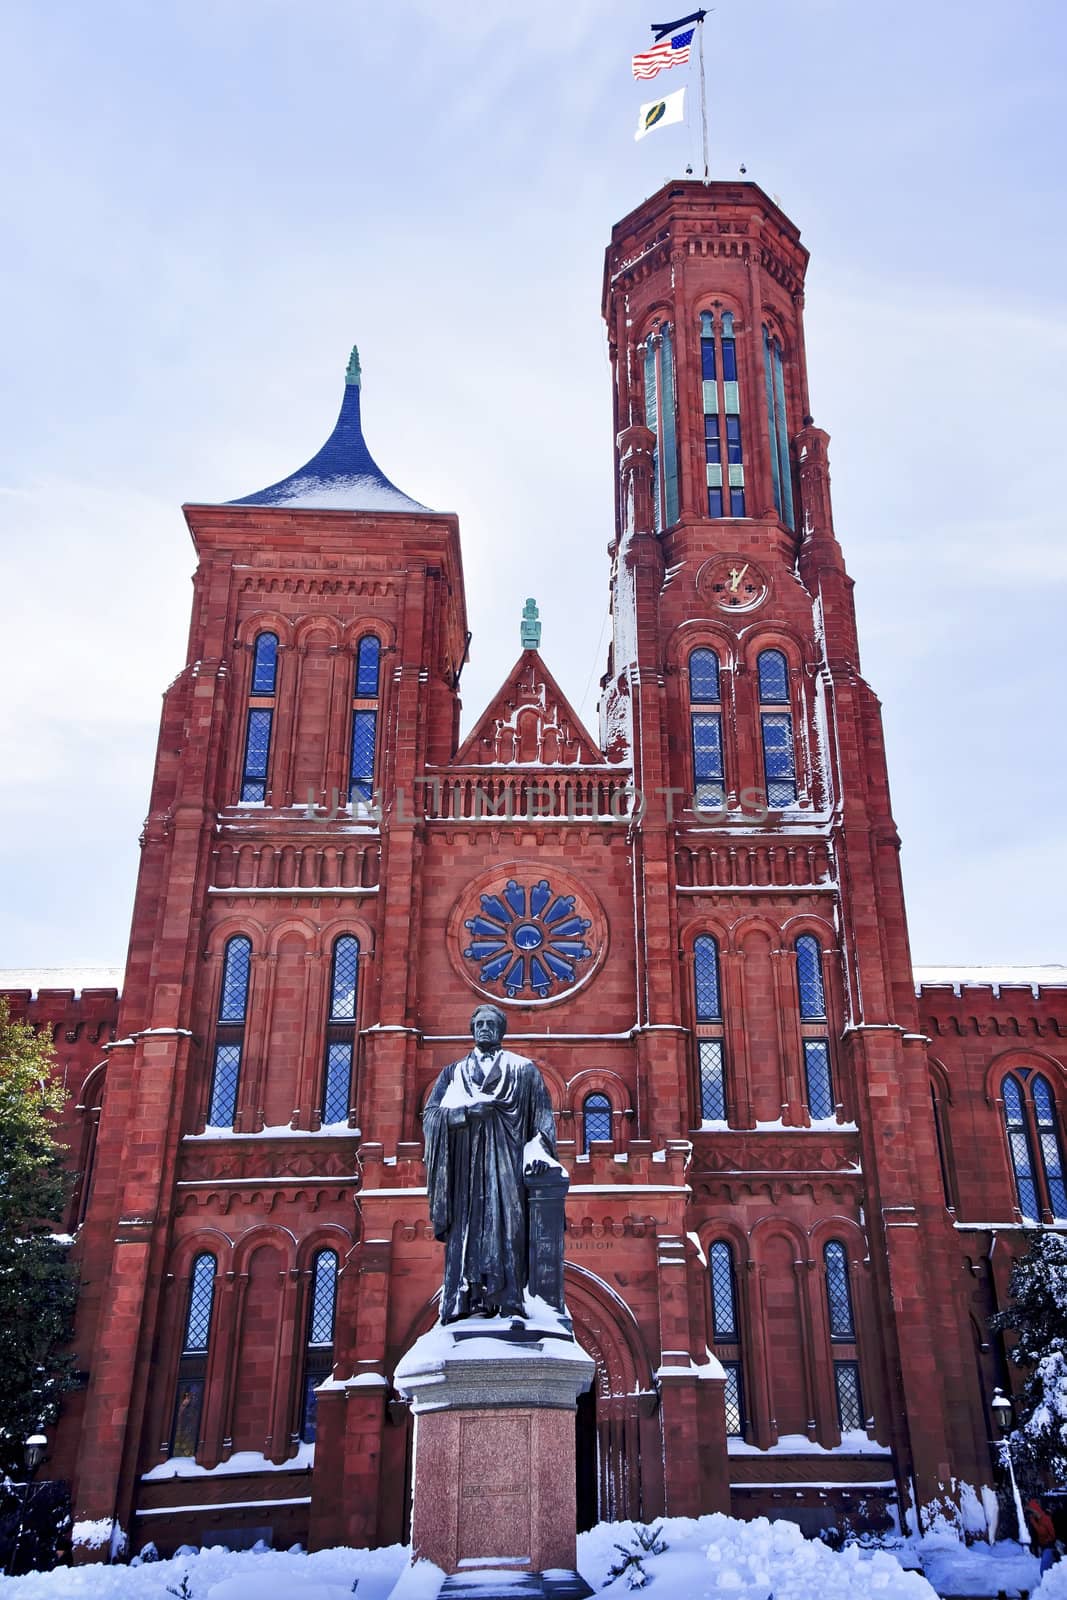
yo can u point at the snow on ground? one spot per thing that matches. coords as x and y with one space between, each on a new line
708 1558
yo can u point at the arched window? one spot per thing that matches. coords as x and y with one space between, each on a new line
722 416
838 1292
260 718
707 1010
660 417
192 1363
809 979
230 1032
365 707
1048 1142
709 786
596 1119
341 1030
726 1331
1019 1148
318 1350
776 730
778 428
942 1147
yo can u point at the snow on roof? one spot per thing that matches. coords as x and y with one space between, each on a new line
76 978
1034 978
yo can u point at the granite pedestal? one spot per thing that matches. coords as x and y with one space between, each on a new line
494 1410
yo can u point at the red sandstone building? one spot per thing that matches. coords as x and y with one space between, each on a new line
796 1184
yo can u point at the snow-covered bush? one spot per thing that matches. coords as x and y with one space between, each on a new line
1037 1315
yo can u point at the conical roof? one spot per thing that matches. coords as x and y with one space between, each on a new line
343 476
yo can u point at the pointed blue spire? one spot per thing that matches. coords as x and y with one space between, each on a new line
343 476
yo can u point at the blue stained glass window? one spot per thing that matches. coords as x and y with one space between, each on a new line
773 678
323 1297
838 1293
707 347
1049 1140
201 1300
733 441
343 979
809 978
233 995
224 1086
257 754
723 1309
1019 1147
706 979
817 1075
734 1396
265 664
729 349
364 738
704 677
596 1119
849 1399
707 757
712 1080
714 502
778 759
338 1081
368 663
712 441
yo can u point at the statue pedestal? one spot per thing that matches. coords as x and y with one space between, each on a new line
494 1444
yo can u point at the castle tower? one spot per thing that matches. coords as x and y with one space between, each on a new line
773 919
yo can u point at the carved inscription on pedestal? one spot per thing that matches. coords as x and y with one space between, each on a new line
494 1487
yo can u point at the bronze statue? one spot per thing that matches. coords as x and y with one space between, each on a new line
491 1151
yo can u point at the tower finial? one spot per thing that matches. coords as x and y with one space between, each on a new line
530 630
352 372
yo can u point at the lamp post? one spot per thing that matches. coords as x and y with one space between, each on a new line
33 1451
1001 1408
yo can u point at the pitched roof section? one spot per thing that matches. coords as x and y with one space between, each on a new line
343 476
529 723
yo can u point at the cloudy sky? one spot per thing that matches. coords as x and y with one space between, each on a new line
208 203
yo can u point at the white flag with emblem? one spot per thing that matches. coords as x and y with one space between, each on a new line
658 113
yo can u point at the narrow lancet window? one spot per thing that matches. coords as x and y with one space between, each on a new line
776 729
777 428
596 1119
661 419
722 417
709 773
1048 1142
318 1352
192 1363
809 979
340 1030
259 719
365 711
229 1032
838 1292
1019 1148
707 1006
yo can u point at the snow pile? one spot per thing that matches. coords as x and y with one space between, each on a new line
1053 1585
719 1556
219 1574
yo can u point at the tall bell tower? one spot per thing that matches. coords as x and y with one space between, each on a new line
772 946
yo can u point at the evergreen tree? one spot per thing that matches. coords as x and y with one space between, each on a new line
1037 1314
37 1286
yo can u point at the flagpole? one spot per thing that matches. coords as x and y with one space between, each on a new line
703 98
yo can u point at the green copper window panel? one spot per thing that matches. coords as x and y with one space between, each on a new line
661 418
777 429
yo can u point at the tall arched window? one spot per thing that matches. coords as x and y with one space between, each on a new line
341 1030
1048 1142
722 416
1022 1159
365 707
192 1363
707 1010
776 729
230 1032
705 711
778 428
842 1325
809 978
726 1331
660 417
318 1350
260 717
596 1119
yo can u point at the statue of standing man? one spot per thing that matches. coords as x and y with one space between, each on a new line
489 1132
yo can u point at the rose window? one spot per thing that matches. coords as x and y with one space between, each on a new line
527 943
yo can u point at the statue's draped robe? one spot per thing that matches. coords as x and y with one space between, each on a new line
474 1175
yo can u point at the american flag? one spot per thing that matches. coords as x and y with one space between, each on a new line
672 52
